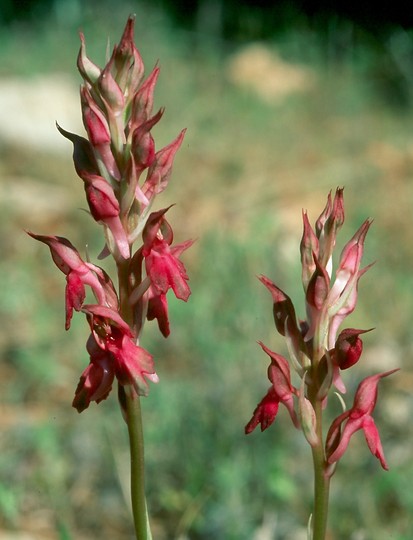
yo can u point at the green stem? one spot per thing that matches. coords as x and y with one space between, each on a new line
321 481
136 444
132 407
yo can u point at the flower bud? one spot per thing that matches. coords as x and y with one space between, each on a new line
324 216
343 295
127 62
307 418
94 120
331 219
142 104
318 287
99 134
101 198
348 347
160 171
88 70
308 249
110 91
283 307
143 144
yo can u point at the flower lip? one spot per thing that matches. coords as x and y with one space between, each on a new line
264 413
108 314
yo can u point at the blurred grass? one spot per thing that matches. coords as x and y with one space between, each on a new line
245 171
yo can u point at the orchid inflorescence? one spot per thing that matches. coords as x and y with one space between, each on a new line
122 175
318 352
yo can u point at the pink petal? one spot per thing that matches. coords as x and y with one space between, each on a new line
75 295
158 309
96 380
373 441
133 364
166 271
352 425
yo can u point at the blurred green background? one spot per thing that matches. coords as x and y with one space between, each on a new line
273 125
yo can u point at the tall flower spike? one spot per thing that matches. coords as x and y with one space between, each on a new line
123 172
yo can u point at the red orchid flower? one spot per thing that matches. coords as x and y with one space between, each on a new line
163 266
131 364
281 391
358 417
265 412
96 380
78 274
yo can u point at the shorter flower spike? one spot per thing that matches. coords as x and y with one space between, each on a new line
358 417
318 352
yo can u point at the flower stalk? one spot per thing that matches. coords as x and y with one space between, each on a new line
137 463
321 480
318 354
122 173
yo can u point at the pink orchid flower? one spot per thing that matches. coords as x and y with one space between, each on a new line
78 274
358 417
96 380
131 363
282 391
163 266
